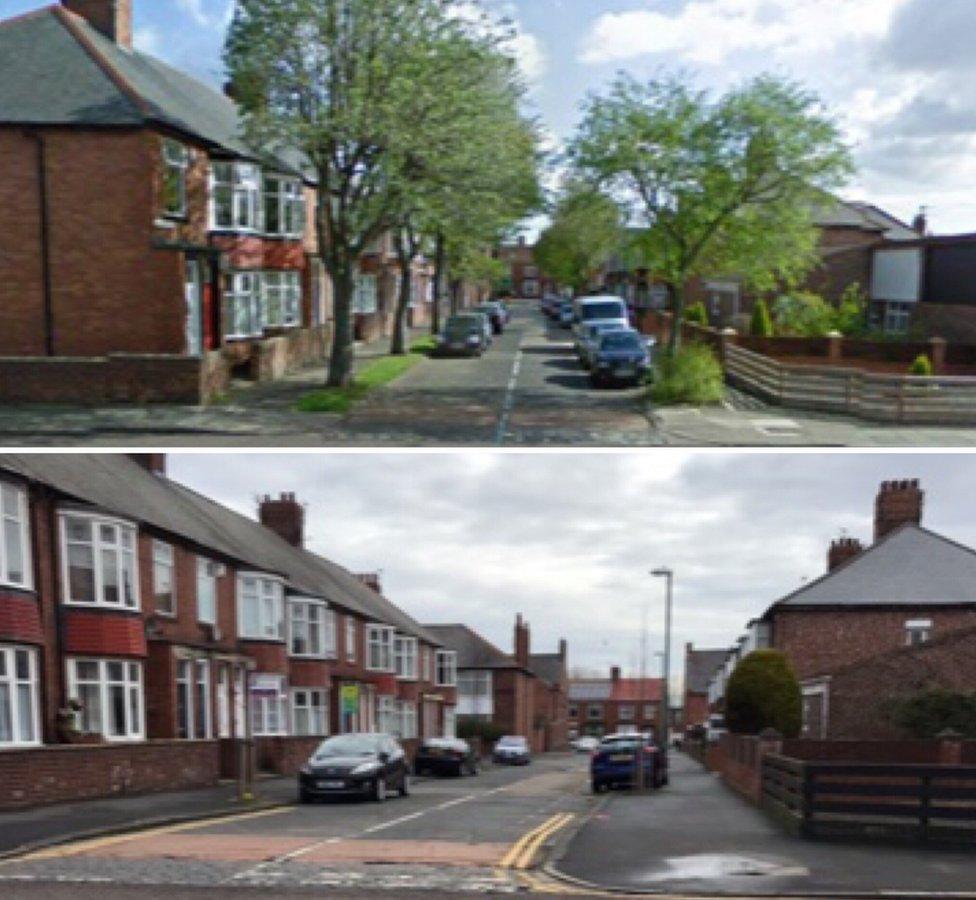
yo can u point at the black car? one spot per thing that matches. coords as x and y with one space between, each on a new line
445 756
355 765
621 356
465 334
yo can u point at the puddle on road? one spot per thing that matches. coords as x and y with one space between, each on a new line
721 866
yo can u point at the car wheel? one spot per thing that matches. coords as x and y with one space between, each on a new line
379 789
304 797
598 787
405 784
474 769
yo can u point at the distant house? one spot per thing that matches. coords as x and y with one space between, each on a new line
700 665
525 277
599 706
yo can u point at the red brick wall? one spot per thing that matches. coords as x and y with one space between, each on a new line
271 658
102 633
818 641
67 773
20 618
696 708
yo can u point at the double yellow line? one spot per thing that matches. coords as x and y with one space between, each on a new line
524 850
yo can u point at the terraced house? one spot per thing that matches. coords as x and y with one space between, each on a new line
134 611
150 251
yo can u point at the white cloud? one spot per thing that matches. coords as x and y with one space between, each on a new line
524 46
146 40
207 13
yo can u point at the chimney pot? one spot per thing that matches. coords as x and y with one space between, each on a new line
151 462
286 517
113 18
841 550
897 503
615 673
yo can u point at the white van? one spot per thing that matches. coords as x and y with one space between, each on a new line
605 310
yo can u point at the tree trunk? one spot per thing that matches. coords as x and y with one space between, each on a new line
341 360
455 296
440 260
677 315
398 346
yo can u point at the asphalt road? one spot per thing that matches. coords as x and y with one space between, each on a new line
467 835
697 837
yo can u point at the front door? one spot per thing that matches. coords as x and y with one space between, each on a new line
194 308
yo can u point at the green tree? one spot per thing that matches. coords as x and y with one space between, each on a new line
333 80
586 229
929 712
803 314
763 692
852 311
761 324
722 185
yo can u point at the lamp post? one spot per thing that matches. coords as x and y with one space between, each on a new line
664 713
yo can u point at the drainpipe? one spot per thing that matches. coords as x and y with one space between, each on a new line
38 138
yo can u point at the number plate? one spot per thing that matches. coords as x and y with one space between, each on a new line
621 757
626 371
331 785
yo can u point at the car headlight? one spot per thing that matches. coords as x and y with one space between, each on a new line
306 769
474 339
367 768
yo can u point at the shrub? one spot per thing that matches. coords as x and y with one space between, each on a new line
693 375
921 367
763 692
696 314
928 713
802 314
852 312
761 324
471 727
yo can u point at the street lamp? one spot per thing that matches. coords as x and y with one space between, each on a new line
665 713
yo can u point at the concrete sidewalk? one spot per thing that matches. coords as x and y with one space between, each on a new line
22 830
697 836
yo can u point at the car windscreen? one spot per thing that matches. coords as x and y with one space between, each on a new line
459 326
512 742
612 309
620 340
348 745
620 744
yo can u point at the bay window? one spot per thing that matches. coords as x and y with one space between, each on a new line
268 713
242 303
260 605
207 572
19 705
475 697
193 718
14 536
446 664
282 299
312 628
284 206
110 694
164 578
310 712
176 161
405 652
100 562
379 648
235 196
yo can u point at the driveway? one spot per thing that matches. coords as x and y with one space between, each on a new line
697 837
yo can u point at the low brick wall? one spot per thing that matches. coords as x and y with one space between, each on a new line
65 773
283 755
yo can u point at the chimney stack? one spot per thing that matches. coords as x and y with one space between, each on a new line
920 224
113 18
372 581
562 649
615 673
284 516
898 502
151 462
521 641
841 550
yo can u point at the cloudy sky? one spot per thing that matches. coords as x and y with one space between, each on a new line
899 73
568 539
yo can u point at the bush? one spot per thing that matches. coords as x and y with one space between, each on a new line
761 324
852 312
471 727
921 367
803 314
763 692
693 375
928 713
696 314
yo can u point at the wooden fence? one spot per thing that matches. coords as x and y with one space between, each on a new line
886 398
916 803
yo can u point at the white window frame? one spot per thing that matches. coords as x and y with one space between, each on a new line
475 692
10 684
387 715
176 159
164 557
270 607
281 299
242 314
208 572
18 520
260 705
318 712
352 652
428 664
626 712
594 712
96 523
299 616
194 667
365 297
379 648
898 317
650 711
918 632
445 663
242 180
288 194
135 731
405 651
408 720
222 698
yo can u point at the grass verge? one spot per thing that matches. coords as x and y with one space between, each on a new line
693 376
375 374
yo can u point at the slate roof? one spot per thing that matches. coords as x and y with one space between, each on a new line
589 689
55 69
911 566
116 484
700 665
549 667
473 651
867 217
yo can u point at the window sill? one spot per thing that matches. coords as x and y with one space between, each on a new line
104 607
325 657
19 745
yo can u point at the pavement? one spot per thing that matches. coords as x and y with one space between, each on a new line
452 835
697 837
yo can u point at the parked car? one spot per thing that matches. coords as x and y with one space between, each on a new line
512 750
445 756
565 315
588 340
621 357
585 744
550 305
604 309
614 762
714 728
355 765
496 315
506 311
465 334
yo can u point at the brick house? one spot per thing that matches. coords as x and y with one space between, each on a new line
152 252
700 665
599 706
521 693
169 619
525 277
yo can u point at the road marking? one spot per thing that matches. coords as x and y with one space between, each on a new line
509 402
524 850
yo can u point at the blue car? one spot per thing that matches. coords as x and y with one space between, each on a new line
614 762
621 356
